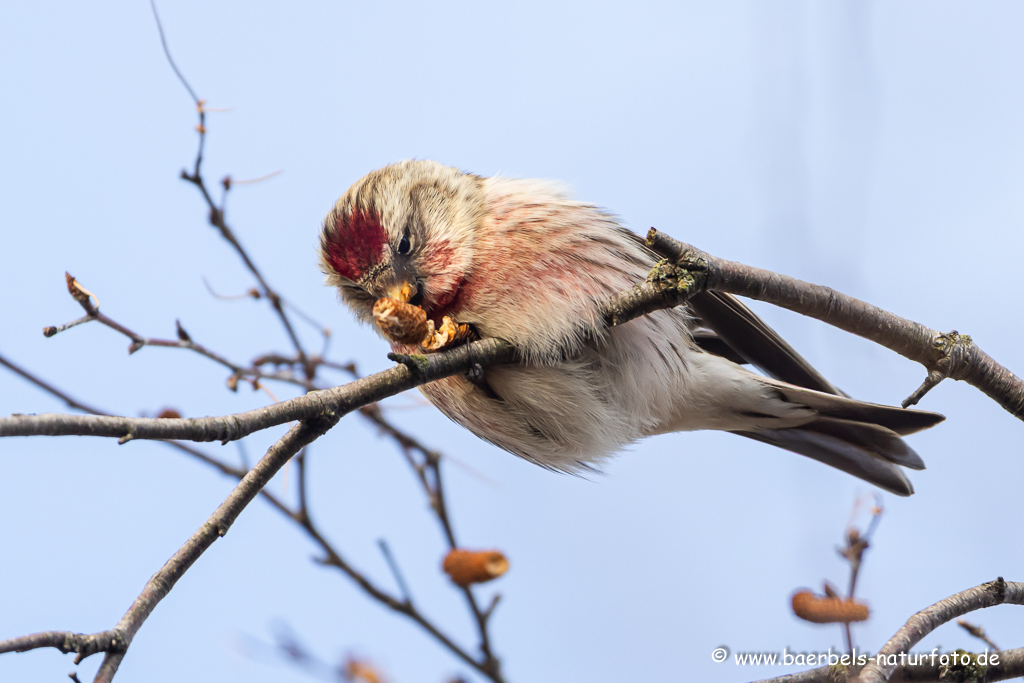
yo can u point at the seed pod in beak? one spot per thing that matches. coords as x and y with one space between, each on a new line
401 322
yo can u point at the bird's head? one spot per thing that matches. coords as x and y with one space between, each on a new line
405 231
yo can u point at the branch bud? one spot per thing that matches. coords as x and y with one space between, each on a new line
182 334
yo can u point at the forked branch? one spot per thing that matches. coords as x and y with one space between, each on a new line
116 641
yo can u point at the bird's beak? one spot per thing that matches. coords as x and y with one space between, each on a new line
402 292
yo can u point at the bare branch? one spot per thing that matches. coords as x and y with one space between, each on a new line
72 402
996 592
942 354
338 401
663 289
1011 665
104 641
116 641
81 643
490 665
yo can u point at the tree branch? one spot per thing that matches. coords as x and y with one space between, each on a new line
996 592
65 641
943 355
412 372
116 641
1011 665
106 641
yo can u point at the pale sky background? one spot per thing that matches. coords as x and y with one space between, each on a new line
873 147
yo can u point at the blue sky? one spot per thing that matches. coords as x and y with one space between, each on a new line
873 147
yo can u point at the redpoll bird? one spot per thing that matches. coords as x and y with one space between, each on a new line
519 260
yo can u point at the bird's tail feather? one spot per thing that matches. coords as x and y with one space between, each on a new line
869 437
845 445
901 421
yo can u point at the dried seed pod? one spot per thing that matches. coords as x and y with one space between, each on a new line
448 335
400 322
821 610
467 567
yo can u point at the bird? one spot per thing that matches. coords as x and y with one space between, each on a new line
523 261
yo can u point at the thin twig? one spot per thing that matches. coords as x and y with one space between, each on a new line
976 631
385 550
167 53
216 216
228 181
184 341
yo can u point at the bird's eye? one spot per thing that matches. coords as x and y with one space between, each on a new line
404 246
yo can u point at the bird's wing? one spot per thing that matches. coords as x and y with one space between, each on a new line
740 333
708 341
733 331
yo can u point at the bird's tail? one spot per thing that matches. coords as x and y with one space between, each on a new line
856 437
862 439
849 456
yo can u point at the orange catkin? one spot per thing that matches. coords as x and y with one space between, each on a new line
467 567
821 610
